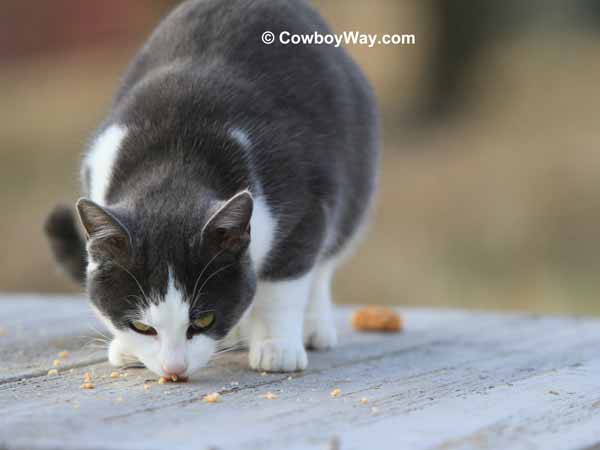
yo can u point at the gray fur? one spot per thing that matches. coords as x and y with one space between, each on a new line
313 127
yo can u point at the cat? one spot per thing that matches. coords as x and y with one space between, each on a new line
226 184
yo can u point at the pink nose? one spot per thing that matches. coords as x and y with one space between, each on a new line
174 368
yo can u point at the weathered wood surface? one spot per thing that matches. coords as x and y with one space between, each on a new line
452 380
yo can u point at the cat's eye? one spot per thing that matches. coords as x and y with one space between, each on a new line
201 323
204 321
142 328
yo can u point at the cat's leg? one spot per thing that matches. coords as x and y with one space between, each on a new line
319 324
275 325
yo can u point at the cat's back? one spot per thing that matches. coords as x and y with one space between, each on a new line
205 31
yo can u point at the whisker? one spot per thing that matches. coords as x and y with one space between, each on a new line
216 272
134 279
202 273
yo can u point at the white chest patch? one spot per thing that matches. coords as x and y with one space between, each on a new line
100 161
262 232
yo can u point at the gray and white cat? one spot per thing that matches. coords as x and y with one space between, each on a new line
224 187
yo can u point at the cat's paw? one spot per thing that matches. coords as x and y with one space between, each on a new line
115 353
275 355
320 334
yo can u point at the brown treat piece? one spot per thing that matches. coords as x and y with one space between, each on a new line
269 396
52 372
336 392
377 318
115 374
87 377
64 354
212 398
162 380
87 385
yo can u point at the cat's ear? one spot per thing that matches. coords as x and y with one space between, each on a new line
228 229
104 232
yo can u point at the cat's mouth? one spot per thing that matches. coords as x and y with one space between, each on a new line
162 379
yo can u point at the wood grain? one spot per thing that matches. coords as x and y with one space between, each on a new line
452 380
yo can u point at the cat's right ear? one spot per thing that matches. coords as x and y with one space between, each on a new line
104 232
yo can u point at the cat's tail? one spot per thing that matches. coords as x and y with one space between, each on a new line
66 242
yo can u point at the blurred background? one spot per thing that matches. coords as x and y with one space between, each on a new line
490 186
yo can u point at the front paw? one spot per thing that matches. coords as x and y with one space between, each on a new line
115 353
276 355
320 334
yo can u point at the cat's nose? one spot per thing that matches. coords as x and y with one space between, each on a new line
174 368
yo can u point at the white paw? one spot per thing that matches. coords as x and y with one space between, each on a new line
275 355
320 334
115 354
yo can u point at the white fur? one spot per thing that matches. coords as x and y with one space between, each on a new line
275 325
100 160
319 326
262 232
169 352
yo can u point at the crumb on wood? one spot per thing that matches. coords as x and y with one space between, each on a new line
115 375
364 401
63 355
162 380
336 392
146 386
269 396
377 318
56 363
87 377
88 385
52 372
212 398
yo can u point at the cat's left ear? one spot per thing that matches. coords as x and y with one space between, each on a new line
228 229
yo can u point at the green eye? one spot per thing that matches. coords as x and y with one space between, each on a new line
143 328
204 320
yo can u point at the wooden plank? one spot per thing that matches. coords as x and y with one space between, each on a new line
35 329
452 380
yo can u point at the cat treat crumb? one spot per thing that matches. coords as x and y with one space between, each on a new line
212 398
115 374
336 392
88 385
269 396
377 318
52 372
87 377
172 378
146 386
64 354
56 363
364 401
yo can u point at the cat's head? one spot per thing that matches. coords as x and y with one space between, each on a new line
169 284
